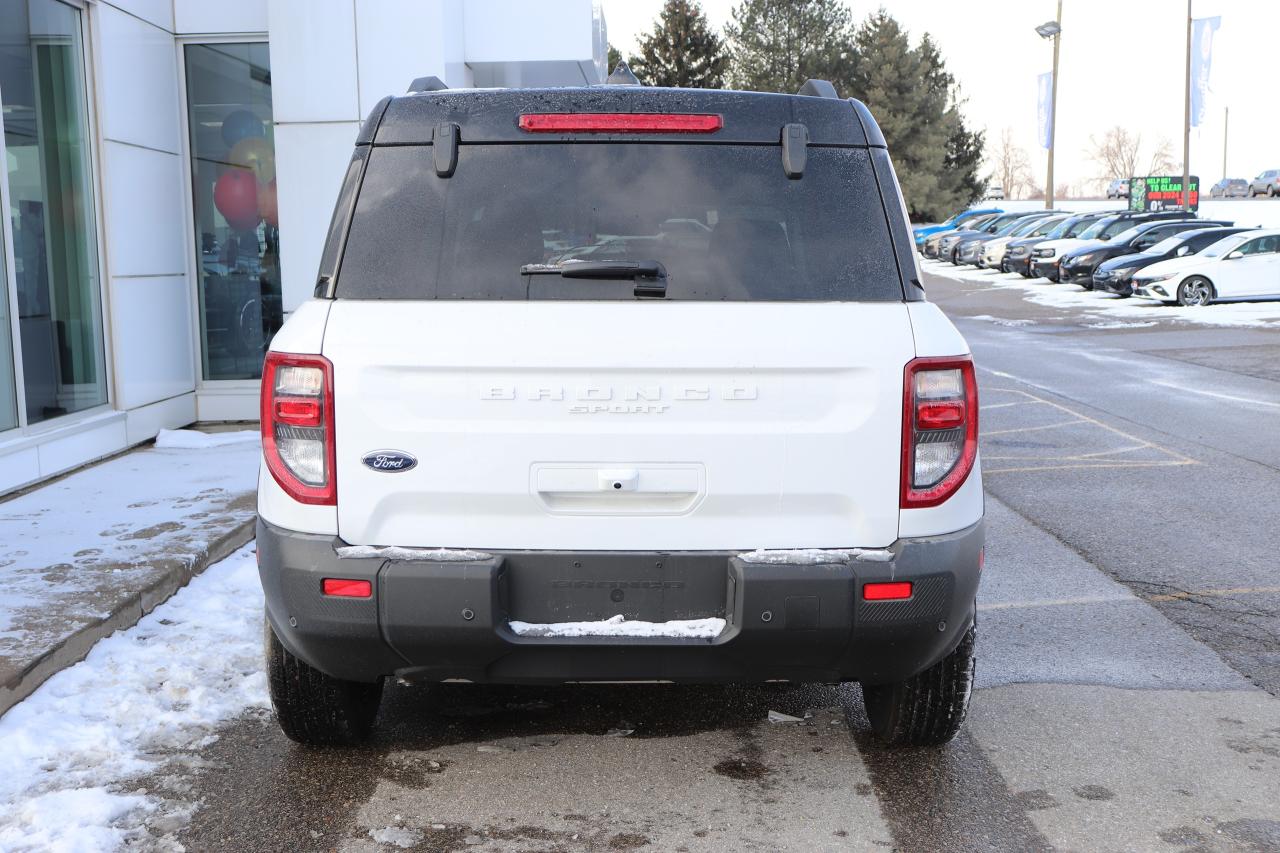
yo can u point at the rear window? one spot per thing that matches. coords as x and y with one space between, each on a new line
724 220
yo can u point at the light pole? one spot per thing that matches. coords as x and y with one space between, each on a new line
1186 124
1052 30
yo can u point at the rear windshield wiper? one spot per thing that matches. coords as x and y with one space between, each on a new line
650 276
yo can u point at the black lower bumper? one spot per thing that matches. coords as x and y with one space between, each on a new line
1045 269
450 620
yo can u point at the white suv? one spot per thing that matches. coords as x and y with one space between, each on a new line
620 384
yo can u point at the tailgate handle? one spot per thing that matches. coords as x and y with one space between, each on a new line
619 480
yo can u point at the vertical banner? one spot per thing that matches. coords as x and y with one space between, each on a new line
1044 83
1202 30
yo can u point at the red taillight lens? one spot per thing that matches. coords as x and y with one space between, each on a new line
297 426
347 588
890 591
620 123
939 429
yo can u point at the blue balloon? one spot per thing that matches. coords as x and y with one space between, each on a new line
241 124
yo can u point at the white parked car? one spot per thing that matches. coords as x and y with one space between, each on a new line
1242 266
746 457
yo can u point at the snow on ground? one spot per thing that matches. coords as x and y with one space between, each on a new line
619 626
190 439
158 688
816 556
1111 310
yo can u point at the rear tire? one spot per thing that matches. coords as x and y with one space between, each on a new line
929 708
317 709
1271 192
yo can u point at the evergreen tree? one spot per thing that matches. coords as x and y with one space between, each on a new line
913 97
778 44
682 50
615 56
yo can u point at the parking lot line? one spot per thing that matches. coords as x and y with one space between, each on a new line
1033 428
1214 593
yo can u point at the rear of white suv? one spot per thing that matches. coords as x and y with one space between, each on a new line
529 431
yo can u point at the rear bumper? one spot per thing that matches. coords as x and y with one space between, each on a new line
449 620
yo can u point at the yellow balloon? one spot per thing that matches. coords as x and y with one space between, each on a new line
256 153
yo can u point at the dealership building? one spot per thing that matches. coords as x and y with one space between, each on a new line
170 167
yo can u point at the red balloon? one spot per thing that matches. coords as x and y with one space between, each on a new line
267 204
236 197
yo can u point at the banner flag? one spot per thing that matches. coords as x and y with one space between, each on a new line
1045 111
1202 30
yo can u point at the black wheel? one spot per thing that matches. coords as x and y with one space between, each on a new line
1196 290
1271 192
926 709
316 709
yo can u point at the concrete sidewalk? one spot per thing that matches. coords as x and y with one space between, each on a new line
92 552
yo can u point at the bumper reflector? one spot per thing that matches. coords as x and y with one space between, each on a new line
346 588
891 591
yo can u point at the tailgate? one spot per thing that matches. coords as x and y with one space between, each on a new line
619 425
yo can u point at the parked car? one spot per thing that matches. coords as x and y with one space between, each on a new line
959 220
1119 188
932 242
1078 266
1230 188
1242 266
1116 275
491 478
995 192
948 245
1018 258
1268 182
994 251
969 250
1047 255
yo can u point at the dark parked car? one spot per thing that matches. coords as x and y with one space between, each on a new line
1230 188
1268 182
1047 258
1019 254
1116 275
1077 266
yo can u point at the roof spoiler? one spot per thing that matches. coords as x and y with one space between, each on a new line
428 84
818 89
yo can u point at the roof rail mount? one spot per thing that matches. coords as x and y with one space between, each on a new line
818 89
622 75
428 84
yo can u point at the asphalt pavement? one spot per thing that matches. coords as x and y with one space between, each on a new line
1128 691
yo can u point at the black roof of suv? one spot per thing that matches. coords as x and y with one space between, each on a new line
483 194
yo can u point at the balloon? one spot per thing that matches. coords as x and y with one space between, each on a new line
268 206
236 197
240 124
256 153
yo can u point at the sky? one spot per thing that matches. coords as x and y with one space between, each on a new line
1122 62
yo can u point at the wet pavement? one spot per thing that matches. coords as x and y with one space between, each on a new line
1128 663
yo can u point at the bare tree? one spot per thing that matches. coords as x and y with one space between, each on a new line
1116 154
1162 158
1011 167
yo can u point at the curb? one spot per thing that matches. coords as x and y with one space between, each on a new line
74 648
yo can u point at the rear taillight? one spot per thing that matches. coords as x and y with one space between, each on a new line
297 426
939 429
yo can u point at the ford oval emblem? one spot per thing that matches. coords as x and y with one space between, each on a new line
389 460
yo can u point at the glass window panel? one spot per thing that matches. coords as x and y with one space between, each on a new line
46 135
237 236
8 389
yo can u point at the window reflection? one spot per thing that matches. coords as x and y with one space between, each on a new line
234 191
46 154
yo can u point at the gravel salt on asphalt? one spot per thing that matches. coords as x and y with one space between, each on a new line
162 686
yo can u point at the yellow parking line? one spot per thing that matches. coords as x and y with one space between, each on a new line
1169 464
1031 429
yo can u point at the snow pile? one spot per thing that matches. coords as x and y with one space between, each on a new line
397 836
163 685
1001 321
619 626
429 555
817 556
190 439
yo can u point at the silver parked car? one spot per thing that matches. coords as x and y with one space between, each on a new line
1119 188
1268 182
